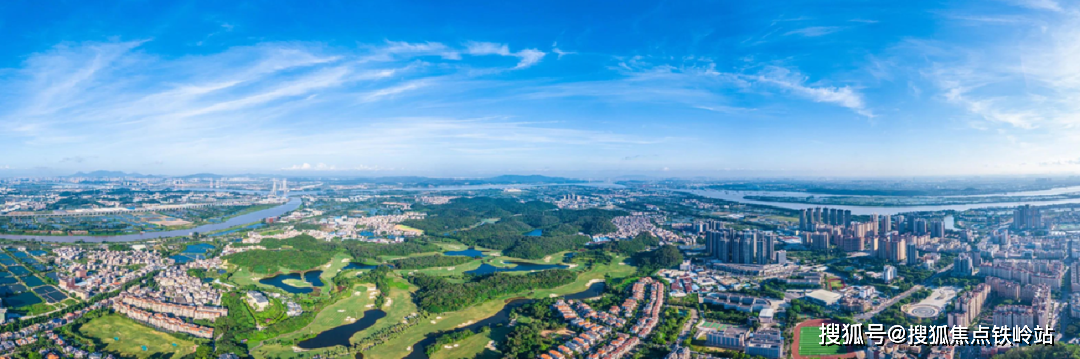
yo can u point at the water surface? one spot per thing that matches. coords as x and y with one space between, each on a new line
293 204
340 335
311 277
471 252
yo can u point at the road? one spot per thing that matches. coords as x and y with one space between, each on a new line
686 328
886 304
905 294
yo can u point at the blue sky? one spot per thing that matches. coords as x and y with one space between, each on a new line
589 89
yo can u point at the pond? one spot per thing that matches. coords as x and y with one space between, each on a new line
471 252
311 277
518 267
354 265
341 335
18 270
535 233
21 300
200 248
189 257
32 281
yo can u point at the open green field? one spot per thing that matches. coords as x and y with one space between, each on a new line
133 336
474 347
332 316
810 343
398 305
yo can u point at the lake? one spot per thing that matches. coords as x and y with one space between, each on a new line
518 267
279 281
256 216
471 252
340 335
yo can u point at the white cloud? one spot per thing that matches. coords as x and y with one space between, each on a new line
308 167
1028 82
1049 5
528 57
561 53
397 49
394 90
796 83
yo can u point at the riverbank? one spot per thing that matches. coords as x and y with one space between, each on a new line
256 216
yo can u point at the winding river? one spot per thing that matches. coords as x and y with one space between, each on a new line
293 204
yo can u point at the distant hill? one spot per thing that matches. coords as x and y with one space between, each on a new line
102 174
404 180
203 175
529 179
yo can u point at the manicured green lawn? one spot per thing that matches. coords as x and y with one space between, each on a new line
133 336
810 343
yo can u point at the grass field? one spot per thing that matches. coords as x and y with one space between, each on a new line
398 347
400 304
332 316
810 343
133 336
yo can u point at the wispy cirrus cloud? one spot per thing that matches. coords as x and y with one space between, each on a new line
814 31
1050 5
797 84
276 102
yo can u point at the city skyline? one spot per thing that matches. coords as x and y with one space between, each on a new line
563 89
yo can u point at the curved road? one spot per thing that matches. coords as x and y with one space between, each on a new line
905 294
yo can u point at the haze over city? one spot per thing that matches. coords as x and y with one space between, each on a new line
919 88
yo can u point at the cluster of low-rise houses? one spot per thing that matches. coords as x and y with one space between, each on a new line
104 270
598 325
176 286
650 312
638 222
162 320
136 299
366 227
10 341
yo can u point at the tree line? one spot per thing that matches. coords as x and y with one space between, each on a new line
437 260
439 295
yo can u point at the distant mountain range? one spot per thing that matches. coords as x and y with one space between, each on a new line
103 174
413 180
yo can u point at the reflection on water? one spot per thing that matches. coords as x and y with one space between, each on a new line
311 277
340 335
471 252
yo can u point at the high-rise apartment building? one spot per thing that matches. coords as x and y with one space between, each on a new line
1027 217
